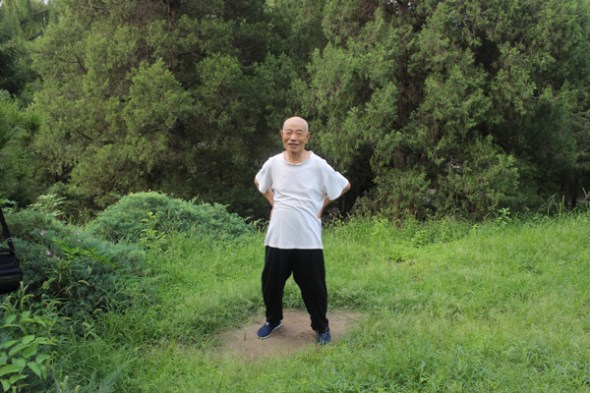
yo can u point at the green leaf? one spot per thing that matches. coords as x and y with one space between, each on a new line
17 348
5 385
9 369
10 318
19 362
30 351
27 339
35 368
8 344
29 320
42 358
44 340
16 378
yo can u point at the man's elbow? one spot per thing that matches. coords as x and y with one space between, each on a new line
346 189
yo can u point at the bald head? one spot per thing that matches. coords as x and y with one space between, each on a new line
296 122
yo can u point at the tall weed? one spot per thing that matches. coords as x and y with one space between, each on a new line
25 341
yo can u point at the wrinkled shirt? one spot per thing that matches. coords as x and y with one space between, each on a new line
299 193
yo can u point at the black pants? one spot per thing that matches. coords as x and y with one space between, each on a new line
309 272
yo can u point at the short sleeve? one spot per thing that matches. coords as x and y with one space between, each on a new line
264 177
333 182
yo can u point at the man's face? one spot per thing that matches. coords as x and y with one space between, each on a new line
295 135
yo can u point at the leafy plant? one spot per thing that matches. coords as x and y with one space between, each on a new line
87 276
16 163
25 341
150 236
126 220
16 356
50 203
503 218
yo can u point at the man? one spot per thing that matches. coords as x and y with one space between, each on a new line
298 185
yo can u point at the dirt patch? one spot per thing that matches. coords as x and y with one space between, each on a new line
292 336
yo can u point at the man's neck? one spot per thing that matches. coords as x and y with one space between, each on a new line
296 158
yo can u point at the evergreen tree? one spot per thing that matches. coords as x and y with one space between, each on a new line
459 107
21 21
165 95
16 164
435 107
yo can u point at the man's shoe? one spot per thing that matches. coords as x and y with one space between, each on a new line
323 338
266 330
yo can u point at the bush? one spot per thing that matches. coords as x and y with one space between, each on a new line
398 194
143 214
84 275
481 185
25 341
28 224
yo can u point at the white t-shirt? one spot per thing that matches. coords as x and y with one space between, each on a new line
299 194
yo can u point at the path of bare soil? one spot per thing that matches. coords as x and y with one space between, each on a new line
294 335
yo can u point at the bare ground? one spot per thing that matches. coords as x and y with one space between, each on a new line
294 335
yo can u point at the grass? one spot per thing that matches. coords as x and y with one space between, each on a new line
450 307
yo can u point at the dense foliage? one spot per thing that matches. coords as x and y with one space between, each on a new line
137 217
17 166
445 305
157 95
454 109
75 277
71 280
431 107
457 108
65 263
460 107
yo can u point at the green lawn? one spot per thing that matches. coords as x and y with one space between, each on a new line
449 307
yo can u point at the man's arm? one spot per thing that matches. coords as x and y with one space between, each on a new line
328 200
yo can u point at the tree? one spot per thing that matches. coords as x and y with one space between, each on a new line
460 107
16 165
31 16
21 21
163 95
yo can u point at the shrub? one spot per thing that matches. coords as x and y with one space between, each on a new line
479 186
25 341
135 214
398 194
28 224
84 275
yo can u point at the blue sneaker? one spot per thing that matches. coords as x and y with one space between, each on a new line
266 330
323 338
